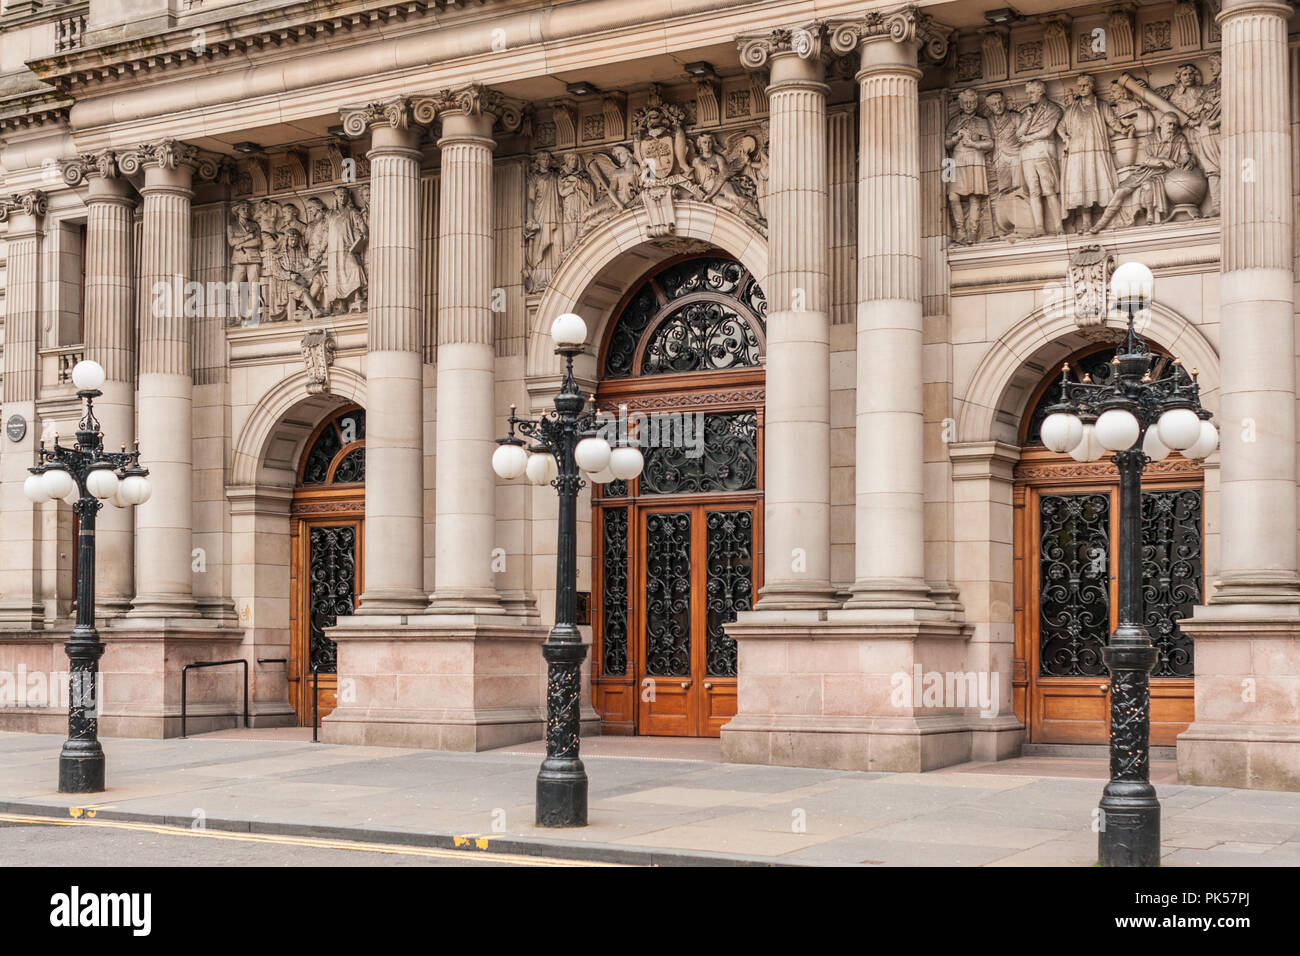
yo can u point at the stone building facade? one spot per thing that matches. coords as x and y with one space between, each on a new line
831 257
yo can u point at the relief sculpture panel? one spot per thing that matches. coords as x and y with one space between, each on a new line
1091 157
300 257
568 194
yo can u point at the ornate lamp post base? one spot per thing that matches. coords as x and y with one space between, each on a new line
562 780
1130 821
81 767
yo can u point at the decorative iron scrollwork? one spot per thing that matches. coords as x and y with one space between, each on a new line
332 575
729 576
668 594
701 314
330 451
726 459
1074 584
613 592
1171 574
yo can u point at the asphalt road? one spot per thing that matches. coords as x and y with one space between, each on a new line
27 841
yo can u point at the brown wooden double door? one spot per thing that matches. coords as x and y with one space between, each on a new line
1067 551
691 567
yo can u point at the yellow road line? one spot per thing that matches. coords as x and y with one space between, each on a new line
480 843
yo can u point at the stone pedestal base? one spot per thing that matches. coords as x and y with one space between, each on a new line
1247 727
140 675
846 690
464 682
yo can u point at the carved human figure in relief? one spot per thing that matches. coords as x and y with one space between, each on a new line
618 180
348 232
718 179
542 223
968 139
363 207
1007 176
577 195
1036 132
1200 102
1165 150
295 272
318 241
1087 166
244 237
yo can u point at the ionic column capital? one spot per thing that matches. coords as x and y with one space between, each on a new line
891 39
390 114
31 202
808 41
170 163
485 107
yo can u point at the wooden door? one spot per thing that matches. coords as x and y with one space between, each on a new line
327 583
327 554
696 573
1068 560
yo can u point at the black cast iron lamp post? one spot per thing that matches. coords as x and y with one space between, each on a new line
84 476
565 444
1140 420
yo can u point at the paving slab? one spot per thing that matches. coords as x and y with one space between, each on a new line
677 805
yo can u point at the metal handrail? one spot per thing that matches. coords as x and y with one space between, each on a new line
185 675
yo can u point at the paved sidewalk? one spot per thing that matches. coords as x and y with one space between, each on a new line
644 809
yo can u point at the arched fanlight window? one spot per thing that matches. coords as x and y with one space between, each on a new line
336 454
702 314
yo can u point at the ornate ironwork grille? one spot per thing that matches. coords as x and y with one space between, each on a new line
668 594
703 314
331 577
1171 574
613 592
1074 584
729 570
1074 573
335 458
721 454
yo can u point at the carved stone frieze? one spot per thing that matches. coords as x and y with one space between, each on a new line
569 193
1083 156
293 258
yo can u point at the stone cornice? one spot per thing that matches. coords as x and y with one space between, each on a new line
224 36
34 109
903 25
807 40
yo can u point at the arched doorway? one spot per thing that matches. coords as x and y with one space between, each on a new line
327 555
1066 538
678 552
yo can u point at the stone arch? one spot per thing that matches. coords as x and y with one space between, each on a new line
992 405
271 442
605 263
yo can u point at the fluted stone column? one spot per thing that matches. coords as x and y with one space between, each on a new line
1247 727
19 520
890 514
394 573
110 341
464 484
1256 305
164 584
797 487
